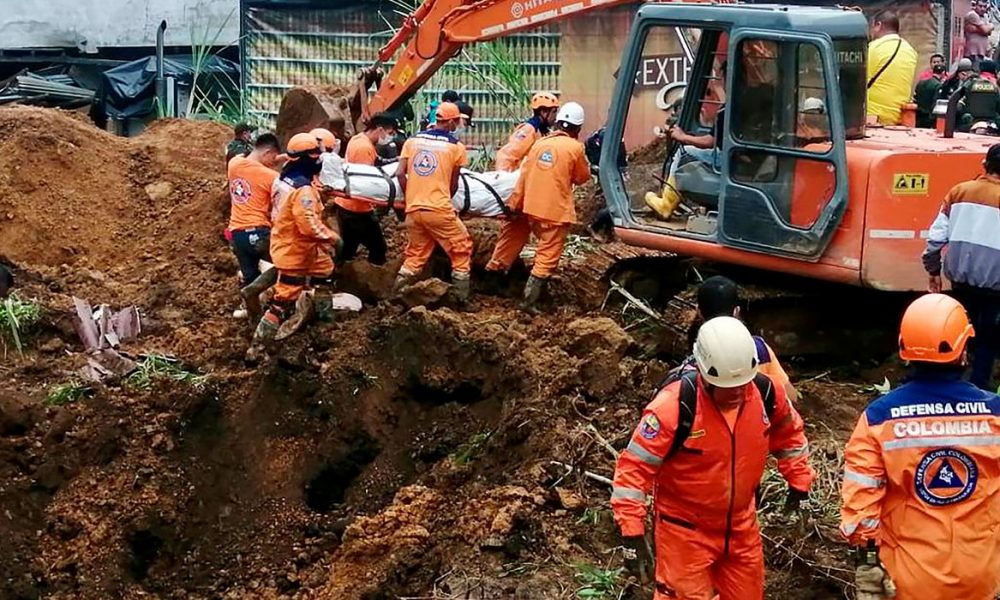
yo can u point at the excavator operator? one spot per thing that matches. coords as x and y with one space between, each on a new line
921 488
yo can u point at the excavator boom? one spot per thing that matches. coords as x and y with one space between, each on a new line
437 30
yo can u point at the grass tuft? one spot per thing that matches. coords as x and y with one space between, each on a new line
597 583
67 393
157 366
18 317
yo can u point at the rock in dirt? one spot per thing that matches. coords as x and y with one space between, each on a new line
600 335
429 292
159 191
569 499
16 415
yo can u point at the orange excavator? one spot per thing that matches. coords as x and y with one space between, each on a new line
797 181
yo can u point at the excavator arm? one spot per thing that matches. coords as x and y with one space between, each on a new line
437 30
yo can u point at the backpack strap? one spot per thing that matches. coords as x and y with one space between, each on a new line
687 406
766 389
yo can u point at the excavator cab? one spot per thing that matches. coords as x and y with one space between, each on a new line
773 93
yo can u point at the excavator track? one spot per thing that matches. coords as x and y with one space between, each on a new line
798 317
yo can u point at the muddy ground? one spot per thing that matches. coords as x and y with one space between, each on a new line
394 453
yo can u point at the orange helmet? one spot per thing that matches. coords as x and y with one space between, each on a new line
302 144
326 138
544 100
935 329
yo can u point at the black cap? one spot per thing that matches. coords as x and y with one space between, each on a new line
718 297
450 96
987 66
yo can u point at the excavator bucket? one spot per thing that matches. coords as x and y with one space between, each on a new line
341 109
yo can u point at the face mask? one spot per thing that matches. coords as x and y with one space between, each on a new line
938 69
459 131
385 140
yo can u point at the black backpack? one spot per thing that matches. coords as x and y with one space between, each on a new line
592 148
688 400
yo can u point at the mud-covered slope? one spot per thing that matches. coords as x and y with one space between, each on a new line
391 453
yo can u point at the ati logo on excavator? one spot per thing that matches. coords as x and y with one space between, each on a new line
518 9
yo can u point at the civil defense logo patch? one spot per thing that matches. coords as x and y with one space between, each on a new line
546 160
946 476
239 191
425 163
650 427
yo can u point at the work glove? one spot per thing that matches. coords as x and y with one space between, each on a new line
638 558
873 583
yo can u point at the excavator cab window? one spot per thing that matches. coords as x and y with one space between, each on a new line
784 173
672 88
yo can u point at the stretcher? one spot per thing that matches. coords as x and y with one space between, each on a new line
479 194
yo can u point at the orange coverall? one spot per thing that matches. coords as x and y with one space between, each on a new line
922 479
250 185
432 158
544 194
510 155
300 243
707 538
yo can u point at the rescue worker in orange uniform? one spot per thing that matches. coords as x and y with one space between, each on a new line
428 170
544 196
356 219
251 178
544 106
719 296
280 191
302 246
921 489
703 467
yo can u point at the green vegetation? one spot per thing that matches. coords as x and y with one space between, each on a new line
597 583
66 393
470 450
18 317
157 366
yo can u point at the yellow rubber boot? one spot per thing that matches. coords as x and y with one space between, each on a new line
664 204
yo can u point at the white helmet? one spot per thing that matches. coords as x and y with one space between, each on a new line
571 113
726 353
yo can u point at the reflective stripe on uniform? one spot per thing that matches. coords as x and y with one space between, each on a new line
624 493
863 480
849 528
792 452
644 455
924 442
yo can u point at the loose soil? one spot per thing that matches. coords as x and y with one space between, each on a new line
394 453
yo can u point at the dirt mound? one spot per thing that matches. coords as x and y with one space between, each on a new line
112 219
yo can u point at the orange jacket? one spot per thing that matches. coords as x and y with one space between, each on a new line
922 478
710 482
361 151
299 234
432 158
249 193
544 189
510 155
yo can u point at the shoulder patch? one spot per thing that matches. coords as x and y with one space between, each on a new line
650 427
